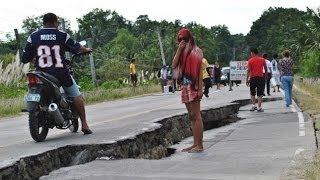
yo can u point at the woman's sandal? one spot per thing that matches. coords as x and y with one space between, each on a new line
195 150
86 131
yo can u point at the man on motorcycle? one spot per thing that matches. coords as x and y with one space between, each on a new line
48 45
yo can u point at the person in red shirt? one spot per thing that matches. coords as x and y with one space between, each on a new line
255 78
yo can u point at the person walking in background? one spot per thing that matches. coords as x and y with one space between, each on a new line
255 78
170 80
133 72
268 74
187 62
211 72
286 73
275 74
163 77
206 77
217 75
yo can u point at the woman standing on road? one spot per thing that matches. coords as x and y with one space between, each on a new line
286 72
187 63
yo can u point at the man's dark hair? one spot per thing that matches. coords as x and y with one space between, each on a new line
49 19
254 50
265 55
133 60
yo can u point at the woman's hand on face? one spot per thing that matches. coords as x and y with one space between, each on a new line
182 45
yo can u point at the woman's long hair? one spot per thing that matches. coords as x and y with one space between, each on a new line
190 59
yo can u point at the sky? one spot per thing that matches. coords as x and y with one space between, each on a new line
237 15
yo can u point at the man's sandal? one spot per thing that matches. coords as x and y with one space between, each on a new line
86 131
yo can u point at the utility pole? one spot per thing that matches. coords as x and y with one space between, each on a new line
93 69
16 33
161 47
234 58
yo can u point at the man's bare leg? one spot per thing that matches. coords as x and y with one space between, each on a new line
79 104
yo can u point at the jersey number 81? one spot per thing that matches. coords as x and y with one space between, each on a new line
45 56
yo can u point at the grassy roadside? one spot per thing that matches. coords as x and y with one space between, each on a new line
12 107
308 99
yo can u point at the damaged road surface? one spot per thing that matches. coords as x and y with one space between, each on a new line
142 128
259 146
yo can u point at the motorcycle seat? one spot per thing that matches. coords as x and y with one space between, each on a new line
49 77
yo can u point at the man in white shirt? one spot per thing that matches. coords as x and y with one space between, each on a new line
269 75
163 77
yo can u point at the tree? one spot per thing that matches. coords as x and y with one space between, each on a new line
310 62
101 26
278 29
124 44
224 44
33 23
288 28
241 47
206 41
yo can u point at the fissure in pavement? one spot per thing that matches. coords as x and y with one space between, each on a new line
151 144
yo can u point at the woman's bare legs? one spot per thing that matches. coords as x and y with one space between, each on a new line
188 106
197 126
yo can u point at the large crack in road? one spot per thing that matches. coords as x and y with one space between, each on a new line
150 144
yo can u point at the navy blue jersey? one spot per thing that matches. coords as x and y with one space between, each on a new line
48 47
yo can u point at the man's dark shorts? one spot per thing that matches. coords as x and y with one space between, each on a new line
207 82
217 79
134 77
257 83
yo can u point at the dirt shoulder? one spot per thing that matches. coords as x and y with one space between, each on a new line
307 97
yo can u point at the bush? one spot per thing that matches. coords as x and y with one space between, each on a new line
7 92
85 84
108 85
310 66
113 69
13 73
111 85
7 59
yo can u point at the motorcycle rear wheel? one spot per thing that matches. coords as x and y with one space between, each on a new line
37 128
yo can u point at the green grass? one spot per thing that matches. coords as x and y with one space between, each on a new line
12 106
113 94
308 99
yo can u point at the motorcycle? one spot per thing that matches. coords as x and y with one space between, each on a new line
47 105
